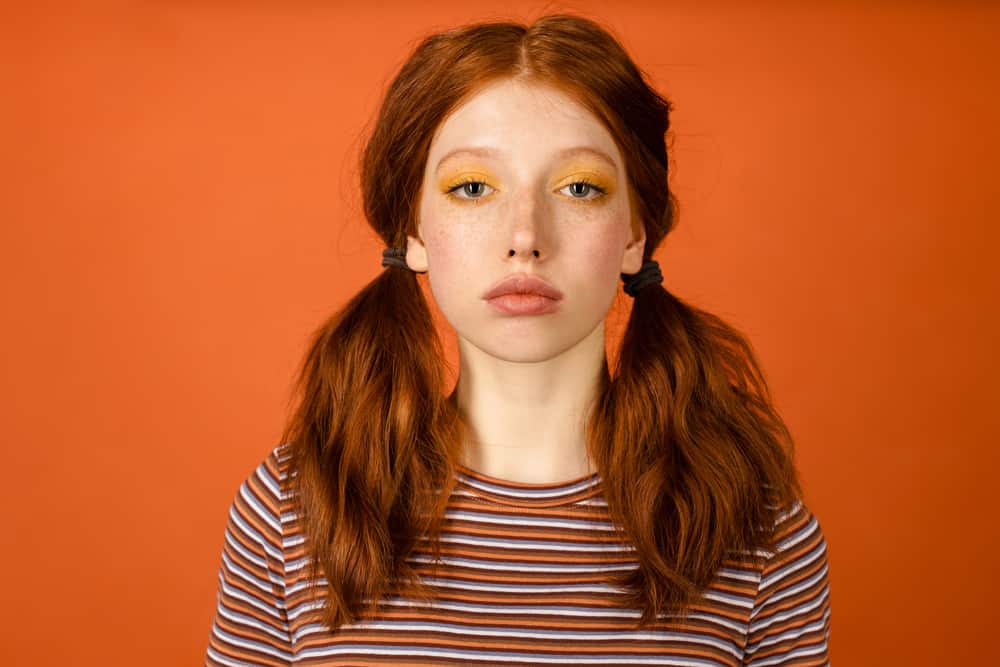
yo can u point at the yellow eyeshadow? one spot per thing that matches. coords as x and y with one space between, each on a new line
571 173
597 177
457 177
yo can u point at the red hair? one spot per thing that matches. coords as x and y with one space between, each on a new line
695 460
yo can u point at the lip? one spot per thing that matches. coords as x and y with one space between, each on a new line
523 283
523 294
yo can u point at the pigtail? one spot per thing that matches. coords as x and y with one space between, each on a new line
686 430
370 437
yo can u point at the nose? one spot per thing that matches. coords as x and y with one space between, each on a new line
528 229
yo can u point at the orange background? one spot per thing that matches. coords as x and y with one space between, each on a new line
181 208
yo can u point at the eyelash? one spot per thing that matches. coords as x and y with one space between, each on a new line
593 186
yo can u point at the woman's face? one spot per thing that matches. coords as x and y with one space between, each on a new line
540 172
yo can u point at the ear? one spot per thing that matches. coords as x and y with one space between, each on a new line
632 259
416 254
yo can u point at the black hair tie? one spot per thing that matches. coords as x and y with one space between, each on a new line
394 257
649 274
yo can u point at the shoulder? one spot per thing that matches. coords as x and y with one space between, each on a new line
789 622
269 478
795 527
260 501
273 472
798 559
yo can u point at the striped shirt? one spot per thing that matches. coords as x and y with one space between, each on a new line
520 584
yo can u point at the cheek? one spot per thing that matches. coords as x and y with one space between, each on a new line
604 248
457 244
453 258
453 245
607 250
447 240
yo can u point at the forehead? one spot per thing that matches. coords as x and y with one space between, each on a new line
522 117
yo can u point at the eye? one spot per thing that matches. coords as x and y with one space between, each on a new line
469 187
473 190
583 187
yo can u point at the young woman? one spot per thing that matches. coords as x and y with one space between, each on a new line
547 511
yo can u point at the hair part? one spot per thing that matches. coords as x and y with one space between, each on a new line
694 458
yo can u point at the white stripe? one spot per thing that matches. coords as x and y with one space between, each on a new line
233 640
530 589
264 586
799 610
798 536
243 551
780 595
791 634
253 534
251 622
522 567
589 526
241 595
726 598
739 575
784 656
505 609
494 657
553 635
534 545
536 494
264 475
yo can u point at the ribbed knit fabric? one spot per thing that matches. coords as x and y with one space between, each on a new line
521 584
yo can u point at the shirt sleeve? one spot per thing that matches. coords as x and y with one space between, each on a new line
250 626
790 619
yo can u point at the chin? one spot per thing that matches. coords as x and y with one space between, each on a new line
526 344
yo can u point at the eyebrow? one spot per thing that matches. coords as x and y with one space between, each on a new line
489 152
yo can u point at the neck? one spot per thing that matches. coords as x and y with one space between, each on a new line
526 421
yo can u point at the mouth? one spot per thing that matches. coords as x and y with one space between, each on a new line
523 284
523 294
523 304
